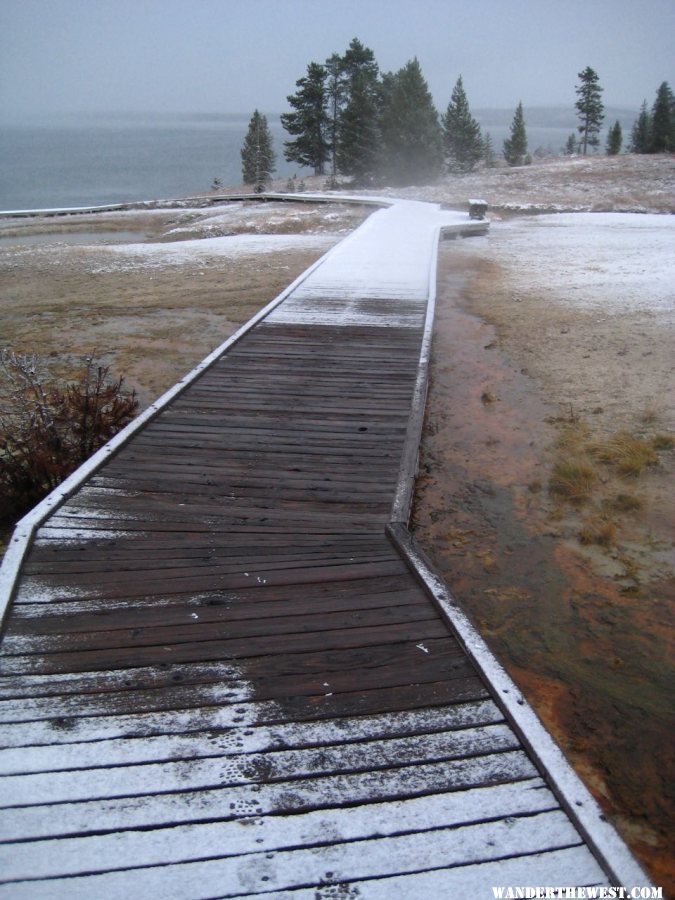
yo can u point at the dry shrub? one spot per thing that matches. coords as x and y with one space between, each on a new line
650 415
47 429
573 480
598 530
663 442
628 454
624 503
574 437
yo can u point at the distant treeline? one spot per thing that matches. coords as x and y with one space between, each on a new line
350 119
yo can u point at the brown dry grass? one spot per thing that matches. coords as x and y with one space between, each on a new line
573 480
151 326
590 469
628 454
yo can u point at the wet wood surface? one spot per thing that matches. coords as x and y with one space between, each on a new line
220 679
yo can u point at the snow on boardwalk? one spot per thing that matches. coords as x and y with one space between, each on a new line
388 259
222 674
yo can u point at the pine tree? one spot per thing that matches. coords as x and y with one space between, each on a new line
412 146
489 157
589 108
335 93
309 122
663 121
641 134
515 147
571 145
359 133
614 139
461 132
257 156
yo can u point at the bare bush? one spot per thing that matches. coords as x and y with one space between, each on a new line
48 428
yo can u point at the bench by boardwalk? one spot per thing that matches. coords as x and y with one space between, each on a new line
227 670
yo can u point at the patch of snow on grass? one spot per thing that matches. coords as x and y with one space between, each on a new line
616 261
125 257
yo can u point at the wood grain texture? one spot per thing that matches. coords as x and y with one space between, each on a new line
220 678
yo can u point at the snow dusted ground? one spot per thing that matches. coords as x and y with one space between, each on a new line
615 261
128 257
623 183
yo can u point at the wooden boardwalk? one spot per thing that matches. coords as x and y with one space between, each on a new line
222 677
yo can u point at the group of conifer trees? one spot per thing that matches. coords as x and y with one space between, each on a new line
350 119
654 131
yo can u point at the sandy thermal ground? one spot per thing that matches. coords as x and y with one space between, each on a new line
555 332
154 308
640 184
550 323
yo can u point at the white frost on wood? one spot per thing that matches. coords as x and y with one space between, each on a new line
91 744
35 590
571 866
213 770
27 709
261 872
260 799
120 850
388 257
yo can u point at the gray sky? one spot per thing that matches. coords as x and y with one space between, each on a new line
235 55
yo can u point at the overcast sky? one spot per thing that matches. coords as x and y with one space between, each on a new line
235 55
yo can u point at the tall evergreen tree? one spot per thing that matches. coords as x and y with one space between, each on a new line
614 139
489 157
461 132
589 108
641 134
515 147
663 121
309 122
412 145
358 134
335 93
257 155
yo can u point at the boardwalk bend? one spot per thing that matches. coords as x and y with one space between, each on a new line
227 670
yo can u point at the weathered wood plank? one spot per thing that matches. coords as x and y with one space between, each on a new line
410 660
226 803
84 619
193 629
126 656
452 667
324 708
131 849
226 741
318 592
261 872
574 865
199 773
220 679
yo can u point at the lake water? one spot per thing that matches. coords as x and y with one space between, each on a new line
97 160
92 161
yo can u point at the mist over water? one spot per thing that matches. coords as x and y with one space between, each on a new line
97 160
